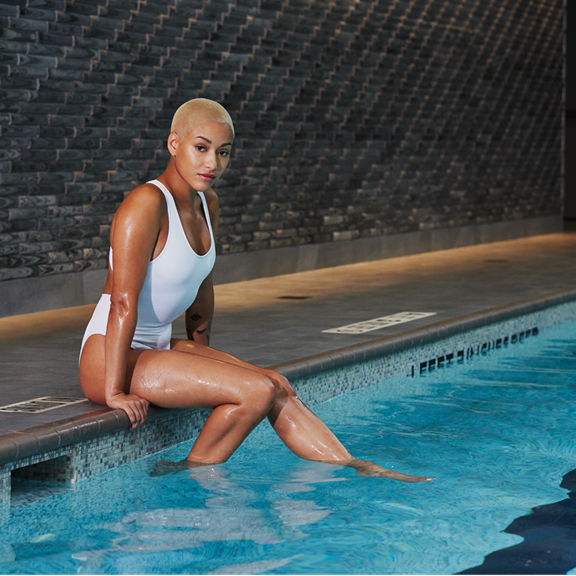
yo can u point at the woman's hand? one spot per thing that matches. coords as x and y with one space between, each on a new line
135 407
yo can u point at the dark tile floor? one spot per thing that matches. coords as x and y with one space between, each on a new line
281 319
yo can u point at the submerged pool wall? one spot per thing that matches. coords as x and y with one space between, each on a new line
70 451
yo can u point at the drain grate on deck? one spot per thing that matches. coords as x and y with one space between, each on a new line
42 404
293 297
378 323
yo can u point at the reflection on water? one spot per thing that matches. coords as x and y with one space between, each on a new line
229 511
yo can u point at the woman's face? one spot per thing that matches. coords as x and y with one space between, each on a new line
202 156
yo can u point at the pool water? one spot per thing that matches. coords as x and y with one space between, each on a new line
497 433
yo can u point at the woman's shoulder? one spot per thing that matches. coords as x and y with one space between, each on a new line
146 201
147 192
145 197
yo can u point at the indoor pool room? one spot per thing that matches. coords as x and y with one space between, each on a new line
287 287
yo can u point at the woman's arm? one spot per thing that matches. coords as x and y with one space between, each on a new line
133 238
199 315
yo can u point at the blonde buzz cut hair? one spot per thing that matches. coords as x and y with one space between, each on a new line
199 108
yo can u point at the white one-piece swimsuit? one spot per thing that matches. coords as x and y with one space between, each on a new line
170 287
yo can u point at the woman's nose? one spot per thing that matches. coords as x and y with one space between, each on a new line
211 161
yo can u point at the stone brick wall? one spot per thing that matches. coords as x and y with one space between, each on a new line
354 119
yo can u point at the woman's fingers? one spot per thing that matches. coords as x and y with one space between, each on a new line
137 415
135 407
139 412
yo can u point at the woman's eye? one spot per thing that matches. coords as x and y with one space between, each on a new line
201 148
224 153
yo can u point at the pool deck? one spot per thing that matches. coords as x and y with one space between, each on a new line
280 321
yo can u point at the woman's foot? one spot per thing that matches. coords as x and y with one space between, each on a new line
368 468
363 467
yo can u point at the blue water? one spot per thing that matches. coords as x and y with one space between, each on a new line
498 434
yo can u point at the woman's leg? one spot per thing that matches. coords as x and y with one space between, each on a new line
240 398
308 437
297 426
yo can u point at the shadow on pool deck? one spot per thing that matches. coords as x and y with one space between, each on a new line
280 320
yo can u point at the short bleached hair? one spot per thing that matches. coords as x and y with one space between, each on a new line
199 108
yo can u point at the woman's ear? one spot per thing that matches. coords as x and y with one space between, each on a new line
173 141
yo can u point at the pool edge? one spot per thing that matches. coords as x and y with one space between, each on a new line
69 436
422 335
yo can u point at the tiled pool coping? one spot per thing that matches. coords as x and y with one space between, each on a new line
76 448
421 336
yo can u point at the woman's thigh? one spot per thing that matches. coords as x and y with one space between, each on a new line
92 368
170 378
190 347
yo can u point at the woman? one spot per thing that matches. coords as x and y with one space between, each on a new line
161 257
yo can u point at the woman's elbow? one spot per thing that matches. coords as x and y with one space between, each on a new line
122 304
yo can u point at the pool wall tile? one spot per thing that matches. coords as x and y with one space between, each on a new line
74 462
378 363
5 494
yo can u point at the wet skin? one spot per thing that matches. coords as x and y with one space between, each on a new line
191 373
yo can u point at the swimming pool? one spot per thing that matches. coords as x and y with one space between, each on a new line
496 430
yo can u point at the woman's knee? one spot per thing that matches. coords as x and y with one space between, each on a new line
282 386
259 395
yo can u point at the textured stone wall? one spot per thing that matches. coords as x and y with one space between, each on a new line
355 119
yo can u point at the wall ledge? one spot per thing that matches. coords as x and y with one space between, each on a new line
28 295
